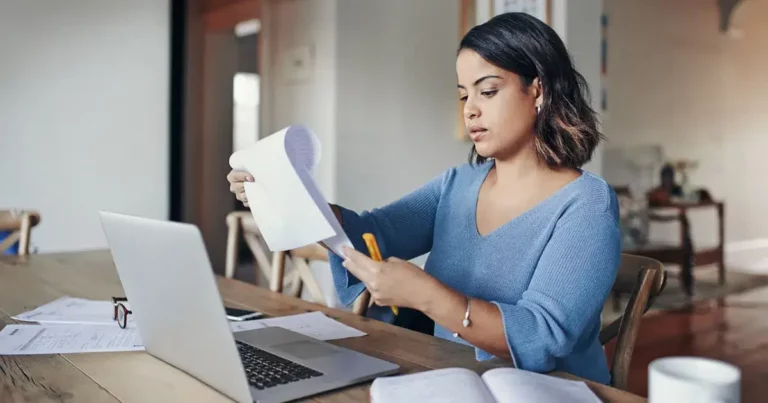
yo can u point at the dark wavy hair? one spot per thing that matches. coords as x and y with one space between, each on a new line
566 126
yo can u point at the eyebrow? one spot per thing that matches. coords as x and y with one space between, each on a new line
480 80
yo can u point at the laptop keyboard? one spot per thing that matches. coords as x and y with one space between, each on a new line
265 370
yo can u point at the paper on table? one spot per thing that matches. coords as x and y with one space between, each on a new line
68 310
446 385
312 324
511 385
63 339
245 325
289 208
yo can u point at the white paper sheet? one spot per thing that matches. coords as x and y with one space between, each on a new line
284 198
63 339
511 385
312 324
447 385
245 325
68 310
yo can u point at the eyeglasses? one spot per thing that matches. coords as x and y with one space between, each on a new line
121 312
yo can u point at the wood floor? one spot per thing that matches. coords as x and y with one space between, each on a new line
733 329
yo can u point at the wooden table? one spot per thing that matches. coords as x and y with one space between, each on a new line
28 282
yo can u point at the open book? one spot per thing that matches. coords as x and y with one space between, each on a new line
500 385
286 203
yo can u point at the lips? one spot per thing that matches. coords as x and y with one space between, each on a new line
476 132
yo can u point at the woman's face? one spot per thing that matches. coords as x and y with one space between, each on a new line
499 113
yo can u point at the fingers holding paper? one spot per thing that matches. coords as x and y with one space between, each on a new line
236 181
393 282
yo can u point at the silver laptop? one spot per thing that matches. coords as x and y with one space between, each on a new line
170 285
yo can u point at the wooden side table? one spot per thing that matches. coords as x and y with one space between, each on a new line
685 253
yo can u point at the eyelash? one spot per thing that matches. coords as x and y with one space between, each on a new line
487 94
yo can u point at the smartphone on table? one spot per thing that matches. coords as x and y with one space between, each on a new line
239 315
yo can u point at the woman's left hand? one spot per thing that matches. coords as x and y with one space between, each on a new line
392 282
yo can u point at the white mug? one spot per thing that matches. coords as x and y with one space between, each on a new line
693 379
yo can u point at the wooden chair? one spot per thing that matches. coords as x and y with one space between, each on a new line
19 223
242 223
273 266
301 258
644 279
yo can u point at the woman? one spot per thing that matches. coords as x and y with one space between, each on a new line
523 243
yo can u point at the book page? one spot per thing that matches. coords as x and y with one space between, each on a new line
286 202
450 385
510 385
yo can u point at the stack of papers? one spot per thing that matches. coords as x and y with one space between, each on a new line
286 203
76 325
68 310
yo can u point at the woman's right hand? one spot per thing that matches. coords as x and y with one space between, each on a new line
236 180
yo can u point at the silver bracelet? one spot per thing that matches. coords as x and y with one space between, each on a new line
466 322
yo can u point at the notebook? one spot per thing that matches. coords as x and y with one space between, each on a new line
286 203
500 385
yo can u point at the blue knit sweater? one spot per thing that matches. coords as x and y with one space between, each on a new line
549 270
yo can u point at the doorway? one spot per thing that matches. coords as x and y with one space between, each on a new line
221 112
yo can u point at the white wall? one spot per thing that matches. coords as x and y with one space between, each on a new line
294 29
676 81
578 24
396 107
305 31
83 114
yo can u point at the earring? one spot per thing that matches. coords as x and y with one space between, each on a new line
538 109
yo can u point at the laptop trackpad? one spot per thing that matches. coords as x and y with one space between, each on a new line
306 350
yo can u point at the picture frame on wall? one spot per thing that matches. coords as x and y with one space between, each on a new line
475 12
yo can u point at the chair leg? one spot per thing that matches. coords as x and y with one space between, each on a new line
721 231
721 273
721 268
278 270
26 229
234 229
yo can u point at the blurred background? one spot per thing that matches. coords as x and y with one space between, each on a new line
136 106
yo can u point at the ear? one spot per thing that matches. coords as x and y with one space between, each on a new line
538 91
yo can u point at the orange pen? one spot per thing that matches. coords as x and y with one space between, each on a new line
373 250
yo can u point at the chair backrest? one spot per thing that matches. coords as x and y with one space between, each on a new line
300 259
242 223
18 224
644 279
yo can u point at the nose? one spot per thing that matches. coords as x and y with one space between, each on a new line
471 111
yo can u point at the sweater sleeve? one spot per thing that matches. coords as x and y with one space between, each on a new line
574 276
403 229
